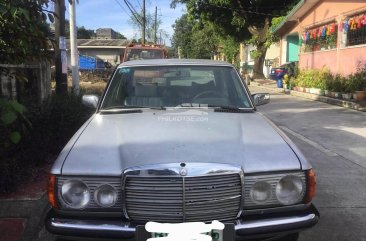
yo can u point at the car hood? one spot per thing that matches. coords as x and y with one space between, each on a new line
110 143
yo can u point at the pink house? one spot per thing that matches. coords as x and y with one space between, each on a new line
328 33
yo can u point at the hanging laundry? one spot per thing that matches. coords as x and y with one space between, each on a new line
328 30
352 24
359 22
364 19
324 32
346 26
332 28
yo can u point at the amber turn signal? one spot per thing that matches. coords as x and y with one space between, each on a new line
311 185
52 191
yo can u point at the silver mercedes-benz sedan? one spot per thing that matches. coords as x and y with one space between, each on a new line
177 141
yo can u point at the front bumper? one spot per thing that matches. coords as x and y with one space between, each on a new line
269 225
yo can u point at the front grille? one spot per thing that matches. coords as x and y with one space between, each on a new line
183 199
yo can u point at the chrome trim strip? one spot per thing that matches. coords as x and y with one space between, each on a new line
184 199
92 226
122 228
241 174
276 209
243 227
195 169
123 186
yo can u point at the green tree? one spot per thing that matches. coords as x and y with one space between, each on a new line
84 33
191 36
120 36
24 34
182 36
201 39
243 20
150 27
204 39
25 37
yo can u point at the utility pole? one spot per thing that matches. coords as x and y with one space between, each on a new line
74 49
60 48
156 23
143 22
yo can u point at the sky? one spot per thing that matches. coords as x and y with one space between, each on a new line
94 14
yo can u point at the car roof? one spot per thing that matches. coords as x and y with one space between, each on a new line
167 62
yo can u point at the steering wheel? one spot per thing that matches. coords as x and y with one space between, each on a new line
209 93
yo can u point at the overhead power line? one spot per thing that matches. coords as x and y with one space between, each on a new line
123 8
133 11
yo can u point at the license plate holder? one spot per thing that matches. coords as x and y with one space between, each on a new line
228 234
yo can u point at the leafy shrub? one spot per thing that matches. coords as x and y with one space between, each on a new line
52 126
314 78
337 84
12 123
93 89
359 79
323 79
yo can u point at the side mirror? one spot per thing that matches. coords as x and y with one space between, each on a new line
90 101
261 98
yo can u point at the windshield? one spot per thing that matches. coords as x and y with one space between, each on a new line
137 54
162 86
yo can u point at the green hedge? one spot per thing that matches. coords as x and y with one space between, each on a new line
51 127
323 79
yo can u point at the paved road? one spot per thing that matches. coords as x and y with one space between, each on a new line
334 140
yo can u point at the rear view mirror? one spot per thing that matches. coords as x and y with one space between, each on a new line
261 98
90 101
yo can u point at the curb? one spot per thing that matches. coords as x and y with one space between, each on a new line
328 100
32 212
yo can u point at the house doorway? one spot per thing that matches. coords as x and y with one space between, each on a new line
292 48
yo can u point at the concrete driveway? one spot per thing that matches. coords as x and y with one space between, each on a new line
334 140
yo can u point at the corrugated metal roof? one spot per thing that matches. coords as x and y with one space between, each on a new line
100 43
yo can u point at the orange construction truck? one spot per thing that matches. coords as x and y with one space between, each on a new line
144 51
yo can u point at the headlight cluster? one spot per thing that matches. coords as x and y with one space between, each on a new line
261 192
105 196
288 190
76 194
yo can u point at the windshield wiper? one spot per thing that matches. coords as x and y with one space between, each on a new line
127 108
229 108
144 107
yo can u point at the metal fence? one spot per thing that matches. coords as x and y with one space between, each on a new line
21 82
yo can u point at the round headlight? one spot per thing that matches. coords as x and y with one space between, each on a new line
289 190
105 196
261 192
75 194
